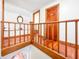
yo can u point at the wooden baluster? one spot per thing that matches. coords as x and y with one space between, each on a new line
2 34
44 34
24 32
41 35
66 39
35 37
47 43
2 25
58 36
27 32
48 31
38 33
8 34
45 31
14 33
20 33
31 32
52 34
76 40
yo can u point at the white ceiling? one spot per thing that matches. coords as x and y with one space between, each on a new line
30 5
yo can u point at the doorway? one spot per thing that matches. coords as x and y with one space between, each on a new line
51 29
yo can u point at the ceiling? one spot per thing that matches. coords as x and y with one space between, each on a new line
30 5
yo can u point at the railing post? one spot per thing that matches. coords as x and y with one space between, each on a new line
66 39
14 33
8 34
32 32
24 32
2 26
76 40
20 33
58 26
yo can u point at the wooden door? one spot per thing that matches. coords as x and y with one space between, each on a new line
51 29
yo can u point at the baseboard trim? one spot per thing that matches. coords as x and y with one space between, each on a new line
11 49
50 53
69 44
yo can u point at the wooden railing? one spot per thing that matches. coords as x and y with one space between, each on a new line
39 33
41 36
15 33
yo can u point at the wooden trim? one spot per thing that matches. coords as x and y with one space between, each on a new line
24 32
14 33
3 10
8 34
27 31
50 53
76 40
8 50
20 33
32 32
66 39
2 25
69 44
17 36
38 32
58 30
34 15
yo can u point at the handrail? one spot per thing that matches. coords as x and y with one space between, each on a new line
52 22
14 22
45 22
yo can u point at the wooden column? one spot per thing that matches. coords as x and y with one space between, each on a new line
20 33
14 33
8 34
58 26
24 32
66 39
38 33
2 25
76 40
32 32
27 32
44 34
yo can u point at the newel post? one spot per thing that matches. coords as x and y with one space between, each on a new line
32 32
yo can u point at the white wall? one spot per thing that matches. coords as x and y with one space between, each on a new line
12 12
68 10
